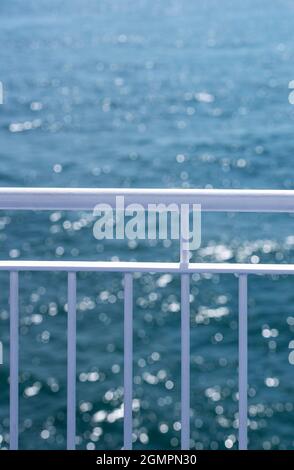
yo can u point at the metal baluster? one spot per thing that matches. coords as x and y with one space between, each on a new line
14 359
128 360
185 330
243 362
71 361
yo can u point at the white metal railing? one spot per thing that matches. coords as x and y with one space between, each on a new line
75 199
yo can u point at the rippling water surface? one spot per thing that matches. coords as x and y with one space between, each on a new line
148 94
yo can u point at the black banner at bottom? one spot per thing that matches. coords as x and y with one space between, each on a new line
127 459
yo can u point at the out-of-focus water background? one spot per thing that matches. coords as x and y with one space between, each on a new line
168 93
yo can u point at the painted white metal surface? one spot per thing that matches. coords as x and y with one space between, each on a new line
185 361
128 360
128 267
243 362
72 199
71 360
14 359
185 332
236 200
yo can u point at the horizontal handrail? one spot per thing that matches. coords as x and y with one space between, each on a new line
150 267
214 200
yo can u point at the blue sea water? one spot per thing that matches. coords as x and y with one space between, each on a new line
166 93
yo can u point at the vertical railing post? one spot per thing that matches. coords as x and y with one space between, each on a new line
185 330
14 359
71 361
128 360
243 362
